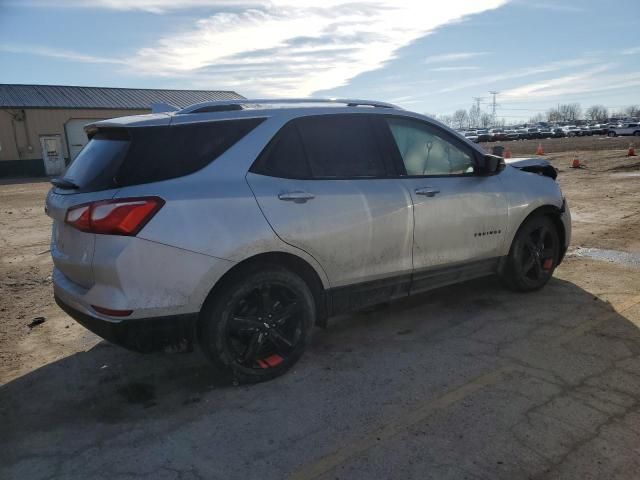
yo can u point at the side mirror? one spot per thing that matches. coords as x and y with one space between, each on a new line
491 164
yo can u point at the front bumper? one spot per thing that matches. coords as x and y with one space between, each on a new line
143 335
565 218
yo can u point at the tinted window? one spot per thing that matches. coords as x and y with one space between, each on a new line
424 152
341 146
98 162
285 156
160 153
122 157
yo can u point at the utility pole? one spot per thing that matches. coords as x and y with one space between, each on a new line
493 105
477 100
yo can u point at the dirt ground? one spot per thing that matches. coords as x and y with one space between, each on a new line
469 381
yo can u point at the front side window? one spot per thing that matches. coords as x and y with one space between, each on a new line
424 152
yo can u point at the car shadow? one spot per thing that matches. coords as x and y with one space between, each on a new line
107 385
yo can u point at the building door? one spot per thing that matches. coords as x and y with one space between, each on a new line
76 136
52 155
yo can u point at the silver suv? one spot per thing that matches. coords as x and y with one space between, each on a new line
625 129
239 225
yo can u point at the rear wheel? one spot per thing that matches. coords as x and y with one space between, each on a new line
533 256
611 134
258 325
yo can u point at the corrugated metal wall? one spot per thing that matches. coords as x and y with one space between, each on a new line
42 122
64 96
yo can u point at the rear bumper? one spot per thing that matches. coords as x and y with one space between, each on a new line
141 335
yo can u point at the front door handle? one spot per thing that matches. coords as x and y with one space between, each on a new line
297 197
427 191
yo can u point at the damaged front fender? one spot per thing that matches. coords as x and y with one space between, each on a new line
534 165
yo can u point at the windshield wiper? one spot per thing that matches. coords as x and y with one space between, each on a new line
65 184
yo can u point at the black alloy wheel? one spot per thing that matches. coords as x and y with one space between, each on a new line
534 255
265 326
258 324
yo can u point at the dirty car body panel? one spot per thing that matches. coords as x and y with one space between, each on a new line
371 231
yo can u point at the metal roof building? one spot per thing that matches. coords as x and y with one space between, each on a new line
41 126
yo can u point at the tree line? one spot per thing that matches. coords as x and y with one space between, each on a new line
568 112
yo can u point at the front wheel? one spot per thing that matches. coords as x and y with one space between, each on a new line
611 134
533 256
257 326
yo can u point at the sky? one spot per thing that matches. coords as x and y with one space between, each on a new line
426 56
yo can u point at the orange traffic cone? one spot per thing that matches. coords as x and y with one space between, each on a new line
507 153
632 151
539 150
576 163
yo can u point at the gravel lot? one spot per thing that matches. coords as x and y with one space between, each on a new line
469 381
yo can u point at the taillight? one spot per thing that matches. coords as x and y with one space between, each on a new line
122 216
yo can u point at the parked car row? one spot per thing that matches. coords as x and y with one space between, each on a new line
531 133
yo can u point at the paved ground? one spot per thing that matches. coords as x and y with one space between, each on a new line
469 381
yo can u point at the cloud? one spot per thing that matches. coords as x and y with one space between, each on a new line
58 53
587 82
554 7
490 81
276 47
152 6
631 51
296 48
453 57
457 68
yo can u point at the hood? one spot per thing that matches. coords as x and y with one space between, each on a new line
533 165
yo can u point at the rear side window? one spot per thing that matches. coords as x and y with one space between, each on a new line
285 156
124 157
323 147
341 146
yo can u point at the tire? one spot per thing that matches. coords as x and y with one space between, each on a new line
636 133
257 326
534 255
611 134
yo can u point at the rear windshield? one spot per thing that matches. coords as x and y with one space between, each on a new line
122 157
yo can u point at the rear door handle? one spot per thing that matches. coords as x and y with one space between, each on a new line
427 191
297 197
